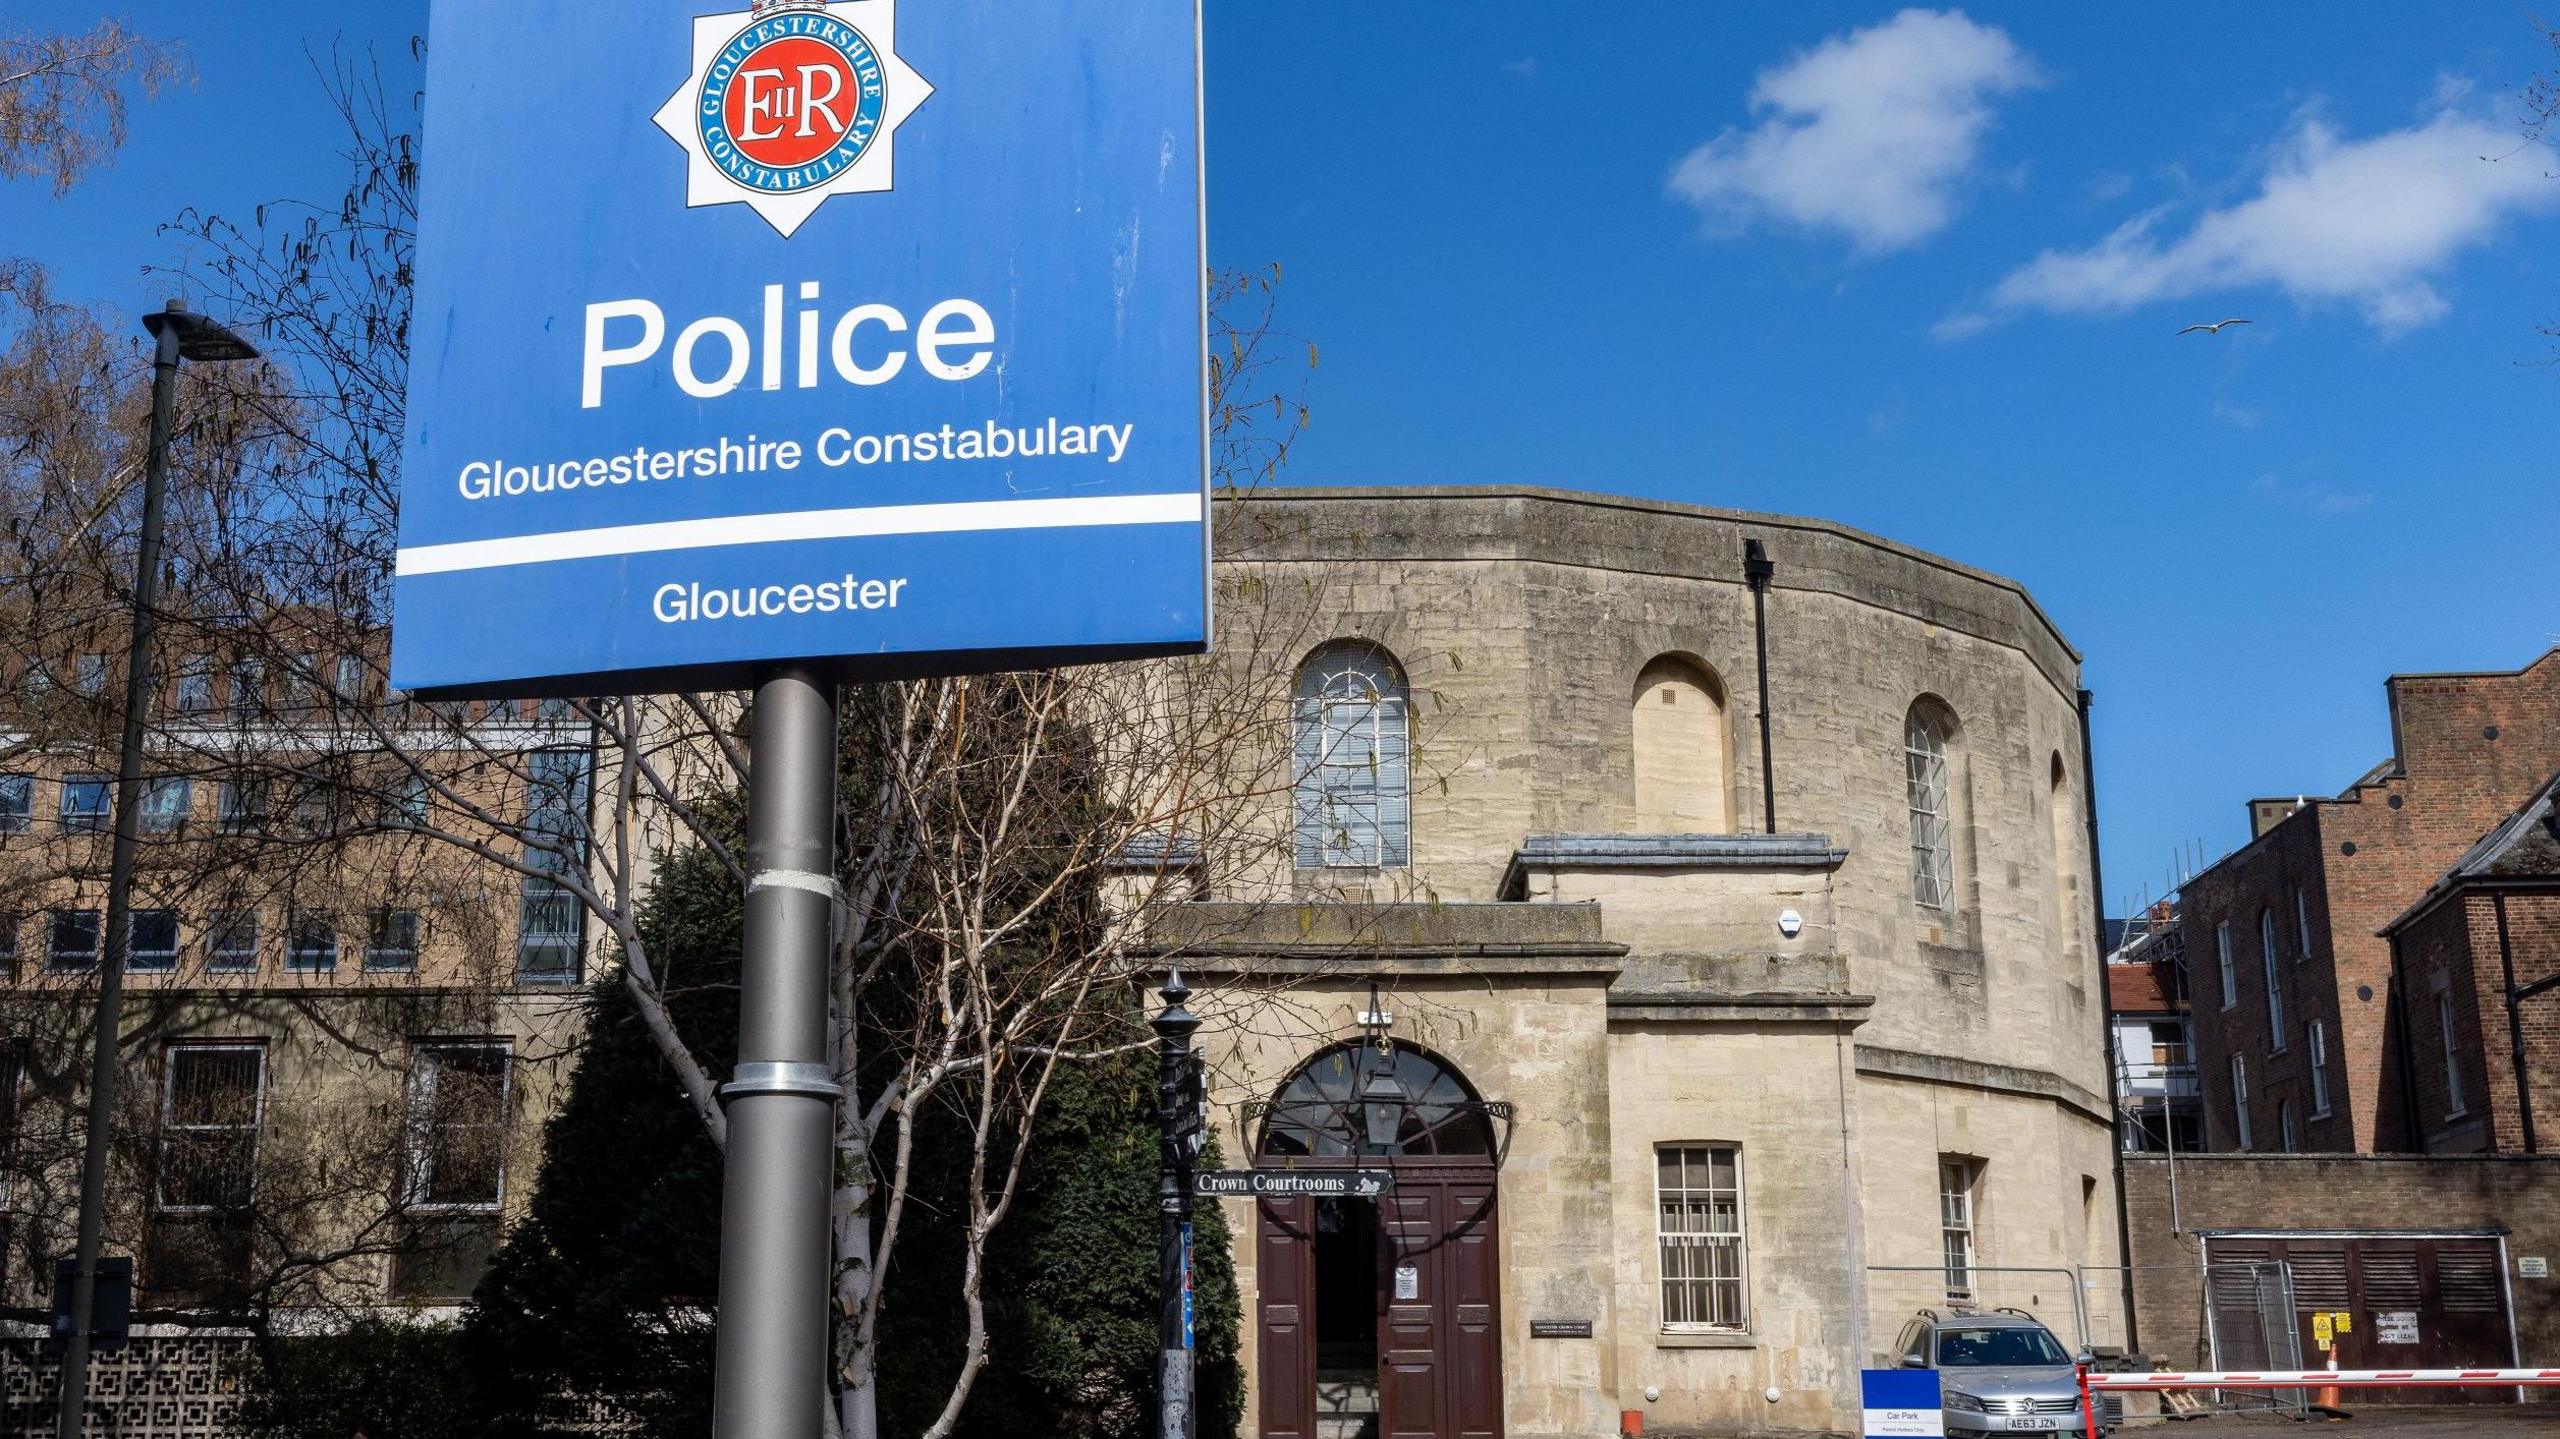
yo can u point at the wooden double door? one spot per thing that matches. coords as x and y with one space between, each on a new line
1433 1279
2413 1302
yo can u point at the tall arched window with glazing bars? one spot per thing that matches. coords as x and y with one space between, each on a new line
1353 792
1925 733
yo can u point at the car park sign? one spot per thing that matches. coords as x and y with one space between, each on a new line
868 332
1900 1404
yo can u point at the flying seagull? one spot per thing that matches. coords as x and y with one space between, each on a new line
2213 329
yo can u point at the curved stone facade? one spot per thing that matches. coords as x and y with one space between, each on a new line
1581 907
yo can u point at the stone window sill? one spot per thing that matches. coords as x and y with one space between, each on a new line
1704 1339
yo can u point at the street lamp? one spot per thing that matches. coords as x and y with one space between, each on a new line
178 335
1381 1098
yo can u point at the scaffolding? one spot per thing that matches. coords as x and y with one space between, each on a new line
2158 1108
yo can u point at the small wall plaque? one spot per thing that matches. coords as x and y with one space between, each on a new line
2533 1268
1559 1328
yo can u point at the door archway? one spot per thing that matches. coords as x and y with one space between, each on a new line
1381 1318
1363 1102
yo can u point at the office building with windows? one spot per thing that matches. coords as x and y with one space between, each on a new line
1714 970
2375 986
2304 987
342 1029
2479 957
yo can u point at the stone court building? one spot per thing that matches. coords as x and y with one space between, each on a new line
1691 1087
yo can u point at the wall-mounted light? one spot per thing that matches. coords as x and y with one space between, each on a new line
1381 1095
1383 1107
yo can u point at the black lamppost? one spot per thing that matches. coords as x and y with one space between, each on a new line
178 335
1179 1107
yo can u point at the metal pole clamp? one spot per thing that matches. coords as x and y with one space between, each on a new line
839 908
782 1078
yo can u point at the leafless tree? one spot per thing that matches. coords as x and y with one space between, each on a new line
329 833
64 98
2541 102
1006 840
1004 837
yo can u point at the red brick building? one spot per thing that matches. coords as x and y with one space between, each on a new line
2288 967
2478 965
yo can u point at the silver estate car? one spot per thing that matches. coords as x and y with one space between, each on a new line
1999 1373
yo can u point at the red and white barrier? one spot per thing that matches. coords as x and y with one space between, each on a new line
2093 1384
2330 1378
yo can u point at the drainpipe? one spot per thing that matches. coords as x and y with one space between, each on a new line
1759 570
2515 1027
2107 1019
1852 1208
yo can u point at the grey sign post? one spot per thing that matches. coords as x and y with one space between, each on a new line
772 1345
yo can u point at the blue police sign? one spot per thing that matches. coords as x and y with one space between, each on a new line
867 331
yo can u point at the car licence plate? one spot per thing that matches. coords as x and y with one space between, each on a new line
2031 1425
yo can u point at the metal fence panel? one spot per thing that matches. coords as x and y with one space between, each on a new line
2249 1313
2052 1296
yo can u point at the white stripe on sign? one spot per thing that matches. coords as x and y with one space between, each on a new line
1903 1423
1091 510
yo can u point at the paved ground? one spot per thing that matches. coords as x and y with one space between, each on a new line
2489 1421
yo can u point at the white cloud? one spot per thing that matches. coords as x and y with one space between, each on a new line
2107 187
1963 325
2238 417
2370 222
2309 496
1870 134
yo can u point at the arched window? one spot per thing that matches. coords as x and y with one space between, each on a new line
1927 735
1353 806
1363 1099
1683 750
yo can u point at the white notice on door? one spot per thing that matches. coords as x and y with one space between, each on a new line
1408 1282
2395 1326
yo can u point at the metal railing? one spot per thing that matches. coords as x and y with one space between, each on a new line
2053 1296
2157 1080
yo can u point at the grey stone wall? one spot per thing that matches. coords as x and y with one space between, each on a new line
1671 1007
1523 618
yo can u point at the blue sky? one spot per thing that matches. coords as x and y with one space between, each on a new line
1918 271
